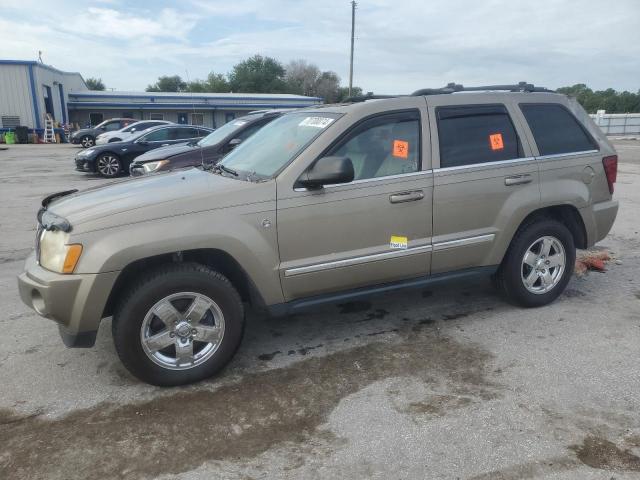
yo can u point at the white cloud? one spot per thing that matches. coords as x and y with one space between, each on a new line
400 45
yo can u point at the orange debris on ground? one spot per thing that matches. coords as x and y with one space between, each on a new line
592 261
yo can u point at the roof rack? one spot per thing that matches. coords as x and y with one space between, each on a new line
454 87
363 98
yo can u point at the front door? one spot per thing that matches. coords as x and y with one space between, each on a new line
183 118
484 178
374 230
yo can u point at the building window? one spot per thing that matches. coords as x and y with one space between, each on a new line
156 116
10 121
95 118
197 119
127 115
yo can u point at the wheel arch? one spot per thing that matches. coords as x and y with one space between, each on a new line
216 259
568 215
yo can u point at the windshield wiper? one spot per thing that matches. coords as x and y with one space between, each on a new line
219 167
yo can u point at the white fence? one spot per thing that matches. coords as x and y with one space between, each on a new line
618 123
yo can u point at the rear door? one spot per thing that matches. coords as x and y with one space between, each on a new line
569 158
484 177
374 230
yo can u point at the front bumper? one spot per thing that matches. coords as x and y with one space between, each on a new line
84 164
76 302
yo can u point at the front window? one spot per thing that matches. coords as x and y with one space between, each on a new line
273 147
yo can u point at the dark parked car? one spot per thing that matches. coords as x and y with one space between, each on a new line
114 158
207 151
87 136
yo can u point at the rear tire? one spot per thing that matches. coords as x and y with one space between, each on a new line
87 141
538 264
178 324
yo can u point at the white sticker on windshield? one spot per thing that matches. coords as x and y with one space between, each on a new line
317 122
239 123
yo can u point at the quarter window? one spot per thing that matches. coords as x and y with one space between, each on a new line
555 129
476 134
383 145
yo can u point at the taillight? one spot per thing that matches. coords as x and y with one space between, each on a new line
610 165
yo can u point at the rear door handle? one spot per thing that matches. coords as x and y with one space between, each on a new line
518 180
406 196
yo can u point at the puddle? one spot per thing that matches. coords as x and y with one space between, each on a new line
178 432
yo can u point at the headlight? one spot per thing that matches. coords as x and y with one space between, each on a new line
153 166
55 254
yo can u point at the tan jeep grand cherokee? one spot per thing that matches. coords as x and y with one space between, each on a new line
322 205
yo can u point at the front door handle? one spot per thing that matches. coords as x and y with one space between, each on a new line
518 180
406 196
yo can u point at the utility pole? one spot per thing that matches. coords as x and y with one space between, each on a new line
353 28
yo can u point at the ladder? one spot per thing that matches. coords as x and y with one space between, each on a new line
49 135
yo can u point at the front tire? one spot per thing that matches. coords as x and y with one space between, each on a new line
87 141
108 165
538 264
179 324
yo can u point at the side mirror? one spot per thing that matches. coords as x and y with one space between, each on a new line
326 171
142 142
234 142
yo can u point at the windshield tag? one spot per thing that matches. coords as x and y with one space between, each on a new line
317 122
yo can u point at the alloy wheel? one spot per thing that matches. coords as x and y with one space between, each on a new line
543 265
108 165
87 142
182 331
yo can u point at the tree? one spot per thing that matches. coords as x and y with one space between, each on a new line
609 99
215 82
94 83
328 87
258 74
168 84
344 93
301 77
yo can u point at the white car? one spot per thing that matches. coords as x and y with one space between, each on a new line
126 132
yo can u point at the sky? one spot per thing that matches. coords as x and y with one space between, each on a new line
400 46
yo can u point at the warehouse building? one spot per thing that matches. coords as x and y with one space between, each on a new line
30 90
207 109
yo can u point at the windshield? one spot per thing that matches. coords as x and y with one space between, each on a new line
221 133
272 148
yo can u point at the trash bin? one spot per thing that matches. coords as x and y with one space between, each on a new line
9 138
22 134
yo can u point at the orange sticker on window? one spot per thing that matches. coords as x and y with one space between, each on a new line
495 140
400 149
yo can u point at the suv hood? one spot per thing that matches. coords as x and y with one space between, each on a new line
148 198
165 152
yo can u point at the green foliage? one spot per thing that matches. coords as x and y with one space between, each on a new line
94 83
609 99
168 84
259 74
215 82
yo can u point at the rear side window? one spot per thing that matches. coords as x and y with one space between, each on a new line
556 130
476 134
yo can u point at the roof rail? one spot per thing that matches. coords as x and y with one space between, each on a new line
363 98
454 87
